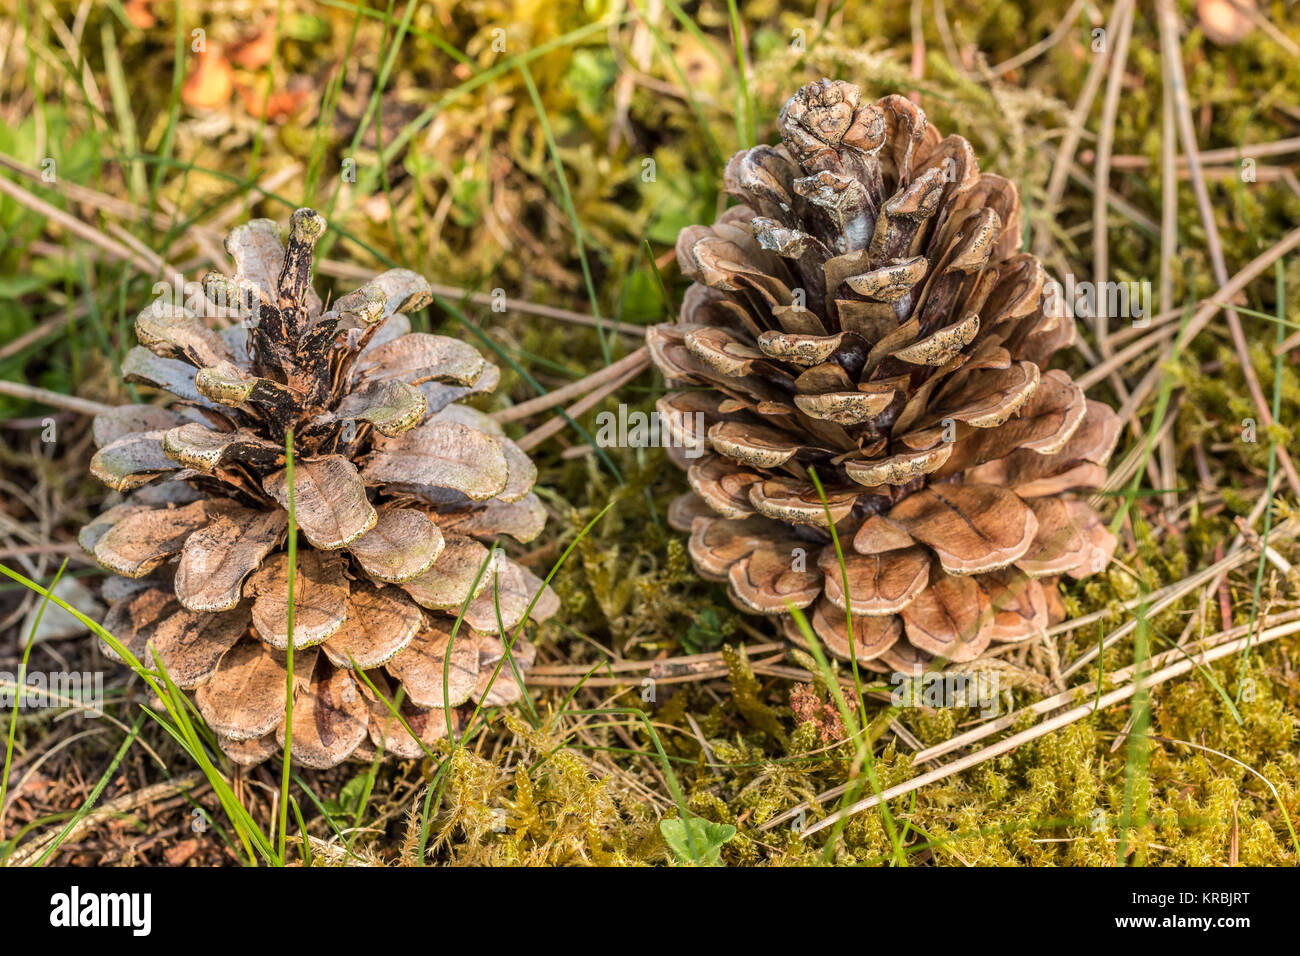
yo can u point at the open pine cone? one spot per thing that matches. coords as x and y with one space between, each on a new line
393 483
864 313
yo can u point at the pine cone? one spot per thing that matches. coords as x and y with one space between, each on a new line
393 483
864 313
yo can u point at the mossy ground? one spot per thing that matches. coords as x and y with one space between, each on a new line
456 178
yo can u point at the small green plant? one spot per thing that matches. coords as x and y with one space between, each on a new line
696 840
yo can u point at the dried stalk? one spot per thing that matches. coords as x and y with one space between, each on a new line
678 671
113 809
1212 157
75 226
651 667
346 270
561 395
1207 311
1043 45
71 402
1037 709
1168 19
1060 172
1101 174
556 424
1156 678
1159 600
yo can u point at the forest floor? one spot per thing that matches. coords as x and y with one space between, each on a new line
546 155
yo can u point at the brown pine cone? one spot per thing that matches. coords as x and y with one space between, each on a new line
393 483
864 313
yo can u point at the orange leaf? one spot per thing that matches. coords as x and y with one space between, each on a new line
209 84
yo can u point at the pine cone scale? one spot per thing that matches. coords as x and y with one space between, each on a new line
864 313
383 459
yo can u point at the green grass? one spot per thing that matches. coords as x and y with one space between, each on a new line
292 548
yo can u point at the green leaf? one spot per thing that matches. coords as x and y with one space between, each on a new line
677 197
705 633
696 840
591 77
349 798
641 302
